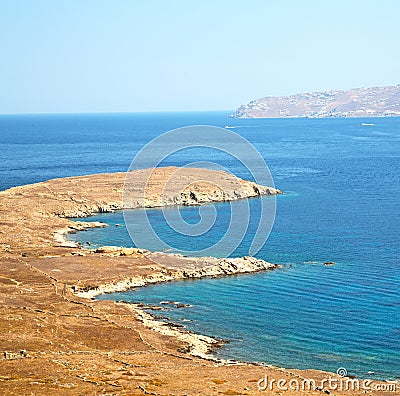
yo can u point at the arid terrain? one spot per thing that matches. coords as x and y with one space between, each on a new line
56 339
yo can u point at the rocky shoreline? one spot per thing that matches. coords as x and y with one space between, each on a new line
197 344
55 339
189 268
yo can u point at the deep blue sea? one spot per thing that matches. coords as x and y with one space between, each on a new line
342 185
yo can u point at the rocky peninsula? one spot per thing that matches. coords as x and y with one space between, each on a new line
56 339
358 102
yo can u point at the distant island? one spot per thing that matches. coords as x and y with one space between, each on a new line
357 102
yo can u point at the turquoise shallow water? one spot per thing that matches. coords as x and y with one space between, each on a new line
342 189
341 204
304 315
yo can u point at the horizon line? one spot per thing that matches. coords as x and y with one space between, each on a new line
117 112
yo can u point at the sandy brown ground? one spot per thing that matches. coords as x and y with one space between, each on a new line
54 342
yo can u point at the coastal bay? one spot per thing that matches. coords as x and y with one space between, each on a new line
200 198
316 202
47 282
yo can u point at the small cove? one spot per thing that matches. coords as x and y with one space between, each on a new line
305 315
341 182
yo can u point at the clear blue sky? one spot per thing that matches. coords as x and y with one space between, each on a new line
156 55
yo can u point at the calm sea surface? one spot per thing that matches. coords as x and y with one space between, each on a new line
341 203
